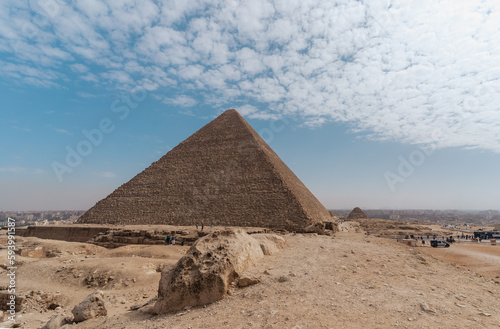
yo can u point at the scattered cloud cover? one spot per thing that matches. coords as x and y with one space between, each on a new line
19 170
105 174
182 100
21 128
62 131
253 112
85 94
12 169
420 72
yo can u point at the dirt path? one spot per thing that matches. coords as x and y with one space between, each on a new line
482 258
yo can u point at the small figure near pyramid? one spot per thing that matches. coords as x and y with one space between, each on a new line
224 174
357 213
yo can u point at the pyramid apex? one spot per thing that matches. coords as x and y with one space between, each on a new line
230 112
232 116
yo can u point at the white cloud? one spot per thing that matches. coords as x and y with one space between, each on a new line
62 131
18 170
105 174
249 61
79 68
84 94
15 170
90 78
190 72
117 76
405 71
92 8
182 100
21 128
253 112
22 73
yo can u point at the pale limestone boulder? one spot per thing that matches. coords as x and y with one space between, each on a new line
57 322
246 281
32 252
91 307
270 243
204 274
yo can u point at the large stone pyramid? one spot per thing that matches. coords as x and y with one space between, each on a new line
224 174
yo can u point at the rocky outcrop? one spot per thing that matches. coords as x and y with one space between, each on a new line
103 236
332 226
318 228
247 281
205 273
269 243
73 233
119 237
44 301
57 322
91 307
32 252
8 303
357 213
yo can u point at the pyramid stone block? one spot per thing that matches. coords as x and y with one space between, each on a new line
224 174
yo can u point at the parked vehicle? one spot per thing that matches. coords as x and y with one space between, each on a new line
439 243
484 235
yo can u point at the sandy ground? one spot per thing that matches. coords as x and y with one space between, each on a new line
482 258
128 275
347 281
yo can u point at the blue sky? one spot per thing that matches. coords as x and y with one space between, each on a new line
378 104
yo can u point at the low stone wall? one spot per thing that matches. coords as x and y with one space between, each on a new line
65 233
120 237
113 237
110 237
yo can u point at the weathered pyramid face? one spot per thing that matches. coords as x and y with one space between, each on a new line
224 174
357 213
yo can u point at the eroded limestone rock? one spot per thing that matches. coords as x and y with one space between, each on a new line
204 274
91 307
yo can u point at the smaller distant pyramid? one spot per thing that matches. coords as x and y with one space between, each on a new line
357 213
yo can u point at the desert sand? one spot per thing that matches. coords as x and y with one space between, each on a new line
350 280
482 257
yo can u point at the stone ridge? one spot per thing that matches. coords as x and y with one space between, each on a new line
307 201
224 174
